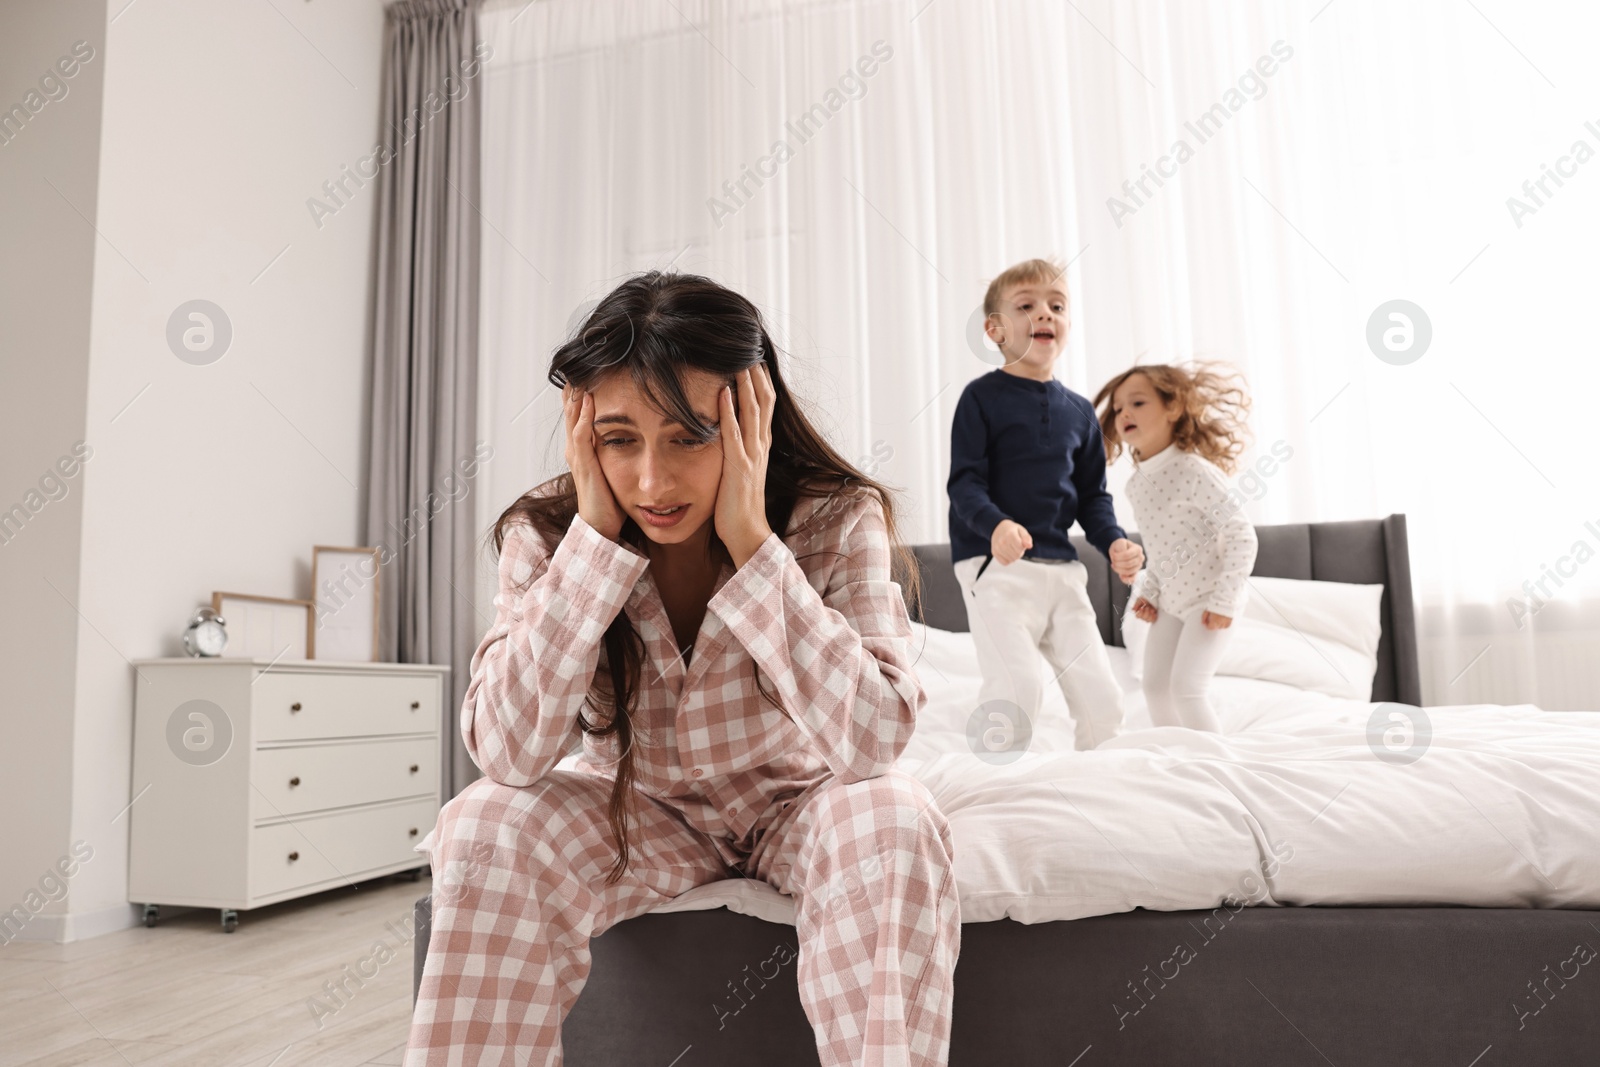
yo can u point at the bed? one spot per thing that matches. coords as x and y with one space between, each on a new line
1279 895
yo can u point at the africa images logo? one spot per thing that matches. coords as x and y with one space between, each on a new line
199 732
1398 733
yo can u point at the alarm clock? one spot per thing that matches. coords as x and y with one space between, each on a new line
206 635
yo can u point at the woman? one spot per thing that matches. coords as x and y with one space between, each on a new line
740 697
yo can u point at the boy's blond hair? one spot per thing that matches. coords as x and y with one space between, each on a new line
1029 270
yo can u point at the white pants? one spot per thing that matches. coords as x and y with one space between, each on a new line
1180 659
1018 610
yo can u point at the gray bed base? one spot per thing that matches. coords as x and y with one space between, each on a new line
1266 987
1263 987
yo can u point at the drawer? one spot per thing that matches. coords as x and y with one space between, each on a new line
290 706
322 848
289 781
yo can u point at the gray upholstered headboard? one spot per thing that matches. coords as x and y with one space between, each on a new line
1367 552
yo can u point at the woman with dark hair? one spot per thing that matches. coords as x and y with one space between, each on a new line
704 606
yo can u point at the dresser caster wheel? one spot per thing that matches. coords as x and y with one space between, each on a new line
415 874
230 920
151 914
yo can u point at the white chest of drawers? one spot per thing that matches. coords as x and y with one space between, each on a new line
256 782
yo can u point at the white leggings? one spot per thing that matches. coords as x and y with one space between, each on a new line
1179 660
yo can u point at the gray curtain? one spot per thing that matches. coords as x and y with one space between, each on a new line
423 463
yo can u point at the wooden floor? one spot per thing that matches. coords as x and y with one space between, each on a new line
185 993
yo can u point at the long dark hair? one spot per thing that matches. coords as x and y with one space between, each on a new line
654 327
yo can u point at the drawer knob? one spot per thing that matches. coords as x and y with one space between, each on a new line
415 704
413 831
294 781
295 706
293 856
414 768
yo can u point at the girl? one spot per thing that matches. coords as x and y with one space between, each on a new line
704 604
1185 428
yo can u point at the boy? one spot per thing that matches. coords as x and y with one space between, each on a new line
1026 461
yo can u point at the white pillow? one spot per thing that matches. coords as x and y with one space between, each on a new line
1339 611
1303 660
1318 636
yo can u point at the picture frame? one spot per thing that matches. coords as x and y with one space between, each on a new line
344 594
266 627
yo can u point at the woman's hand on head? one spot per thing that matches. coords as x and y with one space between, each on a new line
741 512
596 502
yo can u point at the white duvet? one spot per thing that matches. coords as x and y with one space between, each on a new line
1288 806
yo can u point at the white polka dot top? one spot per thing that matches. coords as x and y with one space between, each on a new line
1199 546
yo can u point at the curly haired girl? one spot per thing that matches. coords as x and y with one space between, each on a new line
1185 429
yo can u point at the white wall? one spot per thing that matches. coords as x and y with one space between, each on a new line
46 265
220 121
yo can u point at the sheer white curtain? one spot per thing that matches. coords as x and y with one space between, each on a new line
859 170
1373 164
1339 156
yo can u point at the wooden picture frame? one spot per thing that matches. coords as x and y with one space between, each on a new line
344 594
266 627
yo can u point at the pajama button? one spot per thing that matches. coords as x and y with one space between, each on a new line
697 772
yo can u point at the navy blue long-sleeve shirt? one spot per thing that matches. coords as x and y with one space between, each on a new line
1031 452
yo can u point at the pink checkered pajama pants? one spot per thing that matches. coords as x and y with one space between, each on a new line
519 891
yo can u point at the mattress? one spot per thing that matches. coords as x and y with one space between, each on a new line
1290 805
